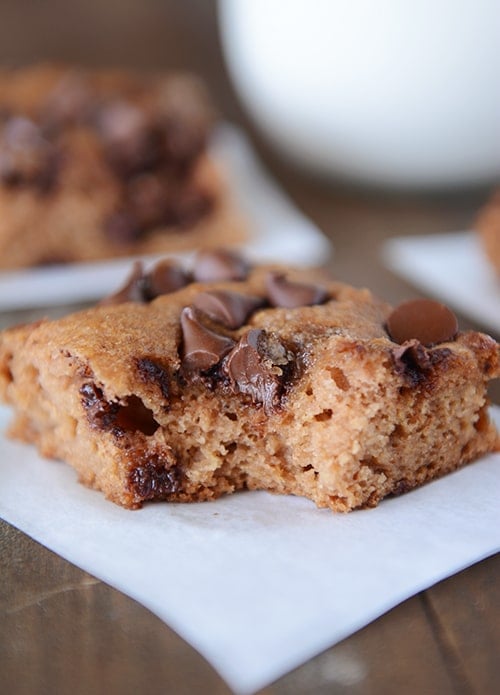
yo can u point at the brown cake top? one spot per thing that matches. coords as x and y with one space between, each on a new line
252 334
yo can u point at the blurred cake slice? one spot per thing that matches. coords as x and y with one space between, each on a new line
98 164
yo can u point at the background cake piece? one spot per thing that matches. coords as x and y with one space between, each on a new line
97 164
488 227
263 380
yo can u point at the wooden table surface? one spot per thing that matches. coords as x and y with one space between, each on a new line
63 631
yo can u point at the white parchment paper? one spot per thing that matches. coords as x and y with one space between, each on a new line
258 583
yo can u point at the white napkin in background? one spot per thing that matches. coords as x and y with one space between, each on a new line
453 268
258 583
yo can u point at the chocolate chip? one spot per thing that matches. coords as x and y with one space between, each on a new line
220 265
288 294
253 370
202 347
165 277
156 478
26 157
229 308
131 140
132 291
423 319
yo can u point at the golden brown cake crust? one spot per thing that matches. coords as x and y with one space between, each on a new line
98 164
161 399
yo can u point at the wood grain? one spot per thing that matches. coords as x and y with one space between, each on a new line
63 631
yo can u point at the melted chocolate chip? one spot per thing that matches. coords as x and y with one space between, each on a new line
288 294
202 347
423 319
252 370
26 157
221 265
155 478
416 363
411 360
165 277
229 308
151 371
100 412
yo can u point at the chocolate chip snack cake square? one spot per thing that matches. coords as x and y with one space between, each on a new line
102 164
191 383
